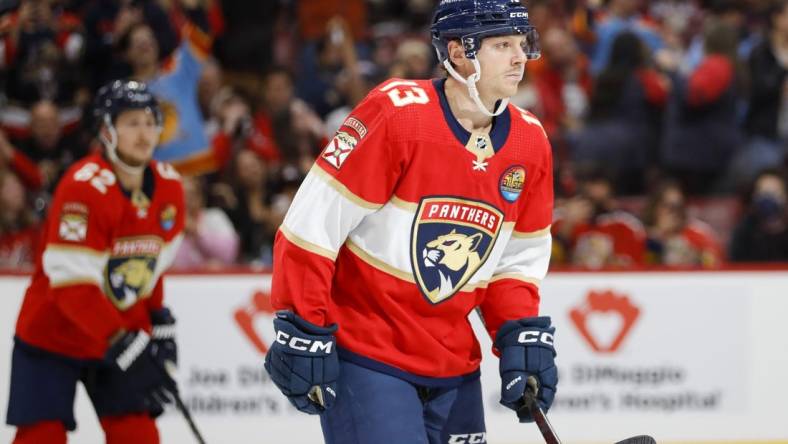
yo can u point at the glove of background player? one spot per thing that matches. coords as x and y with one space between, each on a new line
133 358
165 349
303 362
526 347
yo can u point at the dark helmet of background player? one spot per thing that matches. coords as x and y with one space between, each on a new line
113 99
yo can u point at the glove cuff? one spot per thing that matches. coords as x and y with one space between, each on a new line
163 332
162 316
306 326
127 349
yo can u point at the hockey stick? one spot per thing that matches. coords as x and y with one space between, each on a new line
536 412
547 429
172 390
186 415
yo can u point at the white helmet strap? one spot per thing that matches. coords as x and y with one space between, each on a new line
470 82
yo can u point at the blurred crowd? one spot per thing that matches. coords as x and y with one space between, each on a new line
668 118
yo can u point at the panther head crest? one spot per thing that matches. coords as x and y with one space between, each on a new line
452 253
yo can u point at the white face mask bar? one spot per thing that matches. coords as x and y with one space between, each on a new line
470 82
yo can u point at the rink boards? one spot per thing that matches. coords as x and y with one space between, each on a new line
683 356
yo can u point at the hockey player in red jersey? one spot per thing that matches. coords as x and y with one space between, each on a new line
433 198
93 311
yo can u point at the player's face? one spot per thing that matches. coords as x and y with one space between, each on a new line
502 60
138 135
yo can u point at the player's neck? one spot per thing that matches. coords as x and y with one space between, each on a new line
129 181
464 108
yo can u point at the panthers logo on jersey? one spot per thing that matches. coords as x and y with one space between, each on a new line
130 270
451 238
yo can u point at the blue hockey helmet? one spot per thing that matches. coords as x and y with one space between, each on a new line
122 95
469 21
114 98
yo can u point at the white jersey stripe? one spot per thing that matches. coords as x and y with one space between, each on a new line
323 213
391 253
66 265
528 257
393 248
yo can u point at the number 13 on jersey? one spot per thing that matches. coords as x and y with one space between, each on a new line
405 92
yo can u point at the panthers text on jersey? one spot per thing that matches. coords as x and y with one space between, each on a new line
104 253
407 223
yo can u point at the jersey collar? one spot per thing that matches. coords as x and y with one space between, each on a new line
148 181
500 123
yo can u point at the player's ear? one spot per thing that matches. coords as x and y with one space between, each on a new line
457 53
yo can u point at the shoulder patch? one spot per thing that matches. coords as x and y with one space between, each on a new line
339 148
73 227
512 182
357 126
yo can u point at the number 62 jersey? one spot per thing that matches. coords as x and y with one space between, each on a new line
104 252
407 222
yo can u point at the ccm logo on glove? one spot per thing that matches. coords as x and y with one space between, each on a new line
531 336
302 344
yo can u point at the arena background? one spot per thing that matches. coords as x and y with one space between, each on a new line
669 126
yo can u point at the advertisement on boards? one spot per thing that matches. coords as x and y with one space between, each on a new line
685 357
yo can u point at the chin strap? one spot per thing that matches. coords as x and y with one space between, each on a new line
470 82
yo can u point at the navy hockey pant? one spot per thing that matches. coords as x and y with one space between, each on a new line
43 386
374 408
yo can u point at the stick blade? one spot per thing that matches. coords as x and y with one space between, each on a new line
642 439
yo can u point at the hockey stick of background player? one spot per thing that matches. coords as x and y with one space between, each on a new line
172 388
188 416
544 425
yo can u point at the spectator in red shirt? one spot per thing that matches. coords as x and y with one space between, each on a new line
48 145
702 123
19 228
10 157
41 47
674 237
590 231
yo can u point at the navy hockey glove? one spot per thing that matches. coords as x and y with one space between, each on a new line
303 362
526 347
134 362
165 349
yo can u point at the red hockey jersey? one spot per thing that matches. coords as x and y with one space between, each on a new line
103 258
407 222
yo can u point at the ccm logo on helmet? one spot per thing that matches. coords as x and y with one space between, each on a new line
302 344
531 336
518 14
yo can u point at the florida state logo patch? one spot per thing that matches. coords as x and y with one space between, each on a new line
451 239
339 148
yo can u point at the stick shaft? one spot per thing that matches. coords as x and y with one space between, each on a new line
542 422
188 416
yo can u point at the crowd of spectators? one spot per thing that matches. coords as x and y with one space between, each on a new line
668 118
